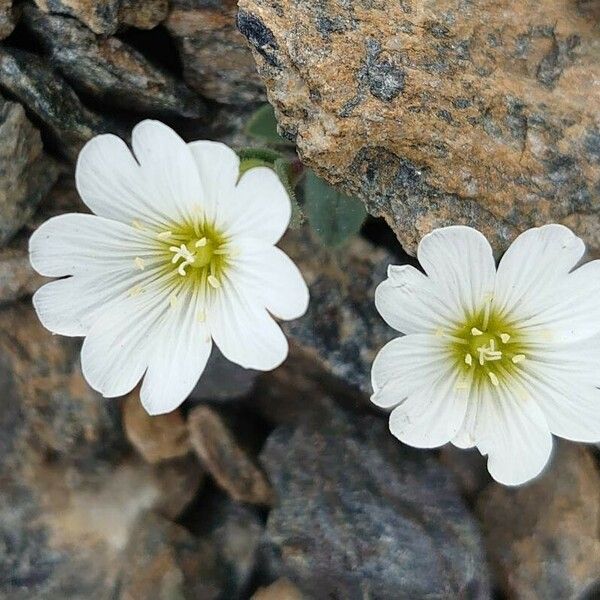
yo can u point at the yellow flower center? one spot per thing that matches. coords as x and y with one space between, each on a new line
486 347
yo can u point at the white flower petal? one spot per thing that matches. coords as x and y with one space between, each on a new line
78 243
409 302
109 181
177 358
465 437
570 313
260 207
168 169
269 275
116 350
567 394
70 306
405 364
460 263
513 432
244 331
530 270
219 168
431 416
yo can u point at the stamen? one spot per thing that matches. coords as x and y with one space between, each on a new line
181 268
201 316
201 243
220 251
493 378
493 345
441 333
173 300
493 357
475 331
504 337
137 225
517 358
213 281
140 263
163 235
468 359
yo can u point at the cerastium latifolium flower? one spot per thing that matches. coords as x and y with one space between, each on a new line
179 253
497 359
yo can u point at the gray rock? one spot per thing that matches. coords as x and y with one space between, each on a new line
342 329
26 173
51 100
110 70
223 380
17 277
360 516
216 59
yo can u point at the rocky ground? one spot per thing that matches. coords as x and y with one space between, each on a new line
287 485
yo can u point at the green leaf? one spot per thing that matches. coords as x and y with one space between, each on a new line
333 216
264 154
262 125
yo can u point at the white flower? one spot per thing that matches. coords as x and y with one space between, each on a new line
180 253
498 359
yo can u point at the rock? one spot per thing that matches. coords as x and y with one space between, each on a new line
543 538
26 173
104 17
110 70
163 561
342 330
360 516
64 532
156 438
53 102
444 112
469 468
7 18
61 415
143 14
223 380
216 60
17 277
178 481
235 532
282 589
225 460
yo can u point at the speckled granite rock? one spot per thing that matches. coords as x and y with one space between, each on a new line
282 589
105 16
33 82
359 516
7 18
442 111
216 60
342 329
110 70
544 538
26 172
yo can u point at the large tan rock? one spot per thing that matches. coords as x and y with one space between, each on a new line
442 111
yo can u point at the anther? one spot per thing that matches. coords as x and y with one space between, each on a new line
213 281
201 316
137 225
136 291
201 243
517 358
468 359
173 300
181 268
504 337
475 331
140 263
220 251
163 235
493 378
